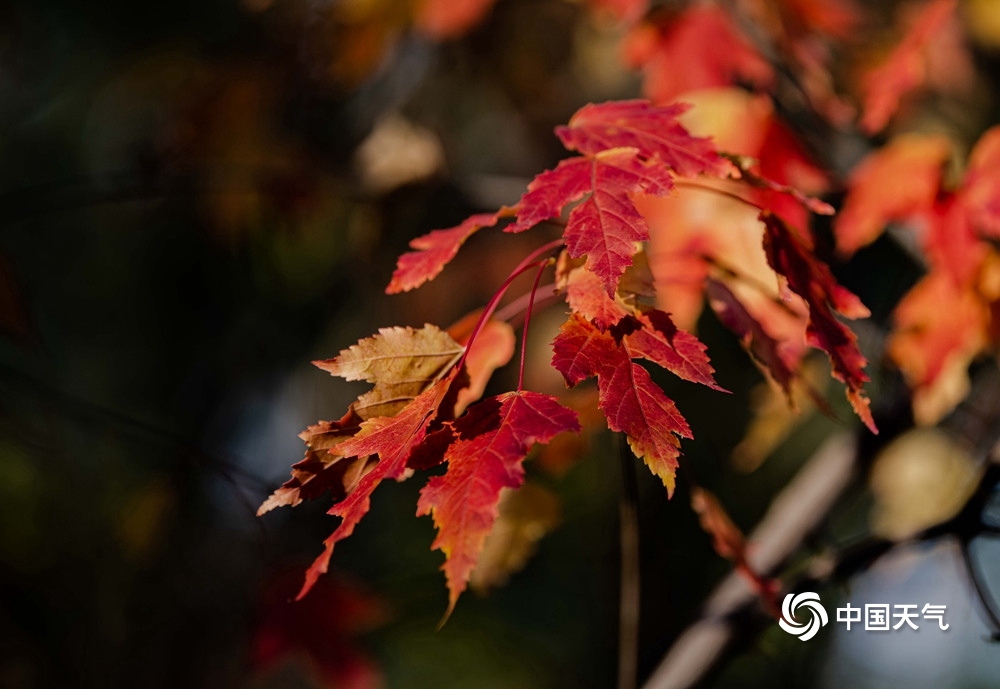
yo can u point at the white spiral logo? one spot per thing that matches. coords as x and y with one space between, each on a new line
817 615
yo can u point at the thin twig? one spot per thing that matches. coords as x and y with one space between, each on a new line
795 513
630 586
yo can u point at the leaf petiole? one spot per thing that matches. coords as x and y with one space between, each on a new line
685 184
512 310
529 262
527 318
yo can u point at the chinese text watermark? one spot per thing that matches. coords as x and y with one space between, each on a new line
803 615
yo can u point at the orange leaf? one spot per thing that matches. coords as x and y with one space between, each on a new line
905 69
895 182
694 39
939 328
493 348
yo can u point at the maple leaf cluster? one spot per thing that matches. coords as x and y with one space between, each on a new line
905 69
423 409
799 32
946 320
803 37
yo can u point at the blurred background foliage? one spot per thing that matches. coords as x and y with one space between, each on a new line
197 199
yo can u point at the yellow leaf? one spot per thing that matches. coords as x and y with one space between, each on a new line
401 362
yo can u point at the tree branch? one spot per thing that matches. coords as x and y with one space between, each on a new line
630 586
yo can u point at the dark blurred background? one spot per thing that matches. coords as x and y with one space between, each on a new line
197 199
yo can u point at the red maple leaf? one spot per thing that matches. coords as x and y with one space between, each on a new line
651 334
606 226
392 439
791 256
433 252
904 182
645 332
605 229
493 439
630 400
651 129
617 171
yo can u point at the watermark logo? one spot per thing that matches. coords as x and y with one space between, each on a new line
880 617
794 607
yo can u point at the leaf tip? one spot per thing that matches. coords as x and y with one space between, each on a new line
268 505
819 206
860 403
312 576
452 600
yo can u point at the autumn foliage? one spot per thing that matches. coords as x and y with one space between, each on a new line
412 417
586 330
634 270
